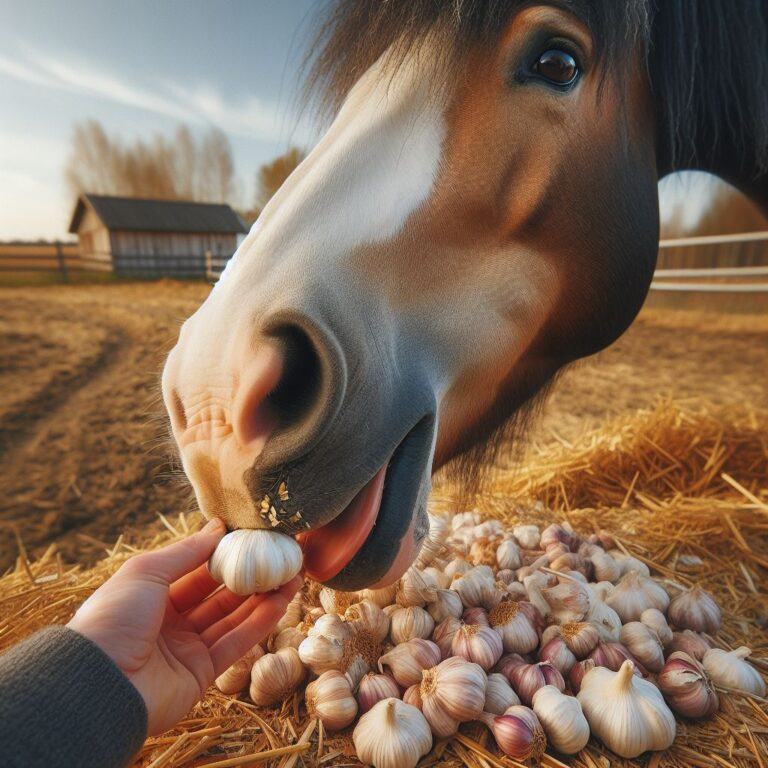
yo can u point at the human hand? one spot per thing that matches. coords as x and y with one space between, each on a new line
161 622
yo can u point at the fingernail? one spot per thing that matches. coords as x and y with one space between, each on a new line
213 526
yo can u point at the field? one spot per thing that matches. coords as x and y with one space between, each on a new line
648 438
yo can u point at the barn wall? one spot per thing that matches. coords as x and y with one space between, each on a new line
172 254
95 243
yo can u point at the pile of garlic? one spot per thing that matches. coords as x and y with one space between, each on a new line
544 636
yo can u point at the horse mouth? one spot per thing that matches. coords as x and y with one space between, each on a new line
375 538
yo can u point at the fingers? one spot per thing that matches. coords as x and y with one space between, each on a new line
231 620
176 560
233 645
215 608
192 589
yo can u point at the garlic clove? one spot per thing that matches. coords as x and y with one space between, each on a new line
731 670
564 724
581 637
628 714
605 620
437 577
508 662
605 567
517 631
518 733
381 597
557 653
568 601
456 567
528 536
293 615
447 603
236 678
275 676
477 643
366 615
627 563
451 693
554 534
506 575
373 688
576 675
255 560
476 588
613 656
687 687
290 636
695 610
392 734
654 619
444 634
526 679
688 642
475 616
434 542
409 623
644 644
415 589
634 594
335 601
406 662
508 555
499 695
330 699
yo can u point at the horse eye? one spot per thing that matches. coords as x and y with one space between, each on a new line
557 66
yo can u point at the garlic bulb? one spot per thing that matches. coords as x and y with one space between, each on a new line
605 620
330 699
526 679
729 669
600 590
434 542
415 589
476 588
436 577
374 688
696 610
406 661
563 721
508 555
605 567
324 646
477 643
518 732
570 561
627 563
644 644
581 637
508 662
476 616
499 695
557 653
255 560
392 734
290 636
576 675
236 678
451 693
335 601
506 575
568 601
654 619
689 642
446 603
527 536
275 676
687 688
367 616
444 634
293 615
456 567
517 631
411 622
634 593
382 597
554 534
613 655
628 714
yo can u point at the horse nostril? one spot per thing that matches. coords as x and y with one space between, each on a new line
298 388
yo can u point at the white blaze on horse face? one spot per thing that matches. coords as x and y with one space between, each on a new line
375 165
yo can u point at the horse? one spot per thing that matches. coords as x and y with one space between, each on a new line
481 211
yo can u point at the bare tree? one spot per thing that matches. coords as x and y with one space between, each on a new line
270 176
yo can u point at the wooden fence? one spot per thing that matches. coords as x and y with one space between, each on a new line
56 258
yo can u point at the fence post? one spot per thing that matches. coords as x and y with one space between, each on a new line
62 262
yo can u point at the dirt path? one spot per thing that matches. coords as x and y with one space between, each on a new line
83 439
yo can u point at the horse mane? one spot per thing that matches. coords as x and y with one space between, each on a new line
706 59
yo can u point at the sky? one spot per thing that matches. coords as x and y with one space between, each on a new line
141 67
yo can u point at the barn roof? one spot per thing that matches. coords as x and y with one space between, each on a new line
139 214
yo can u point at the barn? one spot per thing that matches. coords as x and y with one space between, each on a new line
154 238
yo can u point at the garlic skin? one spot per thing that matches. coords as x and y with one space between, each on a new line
434 542
407 661
581 637
381 597
444 633
476 616
293 615
628 714
561 717
730 670
255 560
415 590
518 733
374 688
275 676
557 653
695 610
436 577
499 695
568 601
627 563
456 567
576 675
236 678
605 567
451 693
367 616
290 636
526 679
554 534
508 555
613 655
687 688
324 646
644 644
330 699
476 588
689 642
528 536
655 620
409 623
392 734
634 594
517 631
605 620
336 602
446 603
478 644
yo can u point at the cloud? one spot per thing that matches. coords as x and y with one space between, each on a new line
200 104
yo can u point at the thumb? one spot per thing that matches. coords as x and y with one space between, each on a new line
181 557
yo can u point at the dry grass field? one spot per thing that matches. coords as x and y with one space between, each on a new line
663 438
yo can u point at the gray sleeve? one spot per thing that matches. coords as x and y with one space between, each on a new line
63 703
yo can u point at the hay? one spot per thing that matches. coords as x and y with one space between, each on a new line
684 490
